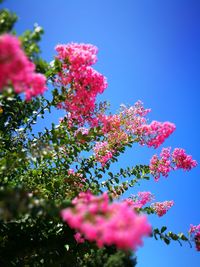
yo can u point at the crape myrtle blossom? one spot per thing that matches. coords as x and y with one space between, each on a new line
133 117
80 133
86 83
162 166
168 161
106 223
182 161
17 70
77 55
102 152
82 130
132 120
194 231
128 120
140 200
155 133
131 125
75 179
81 81
161 208
79 239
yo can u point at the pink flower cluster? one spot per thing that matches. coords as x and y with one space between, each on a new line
81 81
82 130
75 179
118 128
110 123
140 200
161 208
128 120
178 159
182 160
195 232
154 134
102 152
162 166
133 117
17 70
77 54
79 239
106 224
130 124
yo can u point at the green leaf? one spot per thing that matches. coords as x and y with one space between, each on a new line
167 241
110 174
183 237
116 180
163 229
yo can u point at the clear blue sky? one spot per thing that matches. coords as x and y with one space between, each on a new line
149 50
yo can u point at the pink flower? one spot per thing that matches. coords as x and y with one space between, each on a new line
133 117
178 159
197 241
75 179
195 232
82 83
81 100
17 70
162 166
182 160
194 228
77 54
155 133
161 208
82 130
140 200
106 224
102 152
79 238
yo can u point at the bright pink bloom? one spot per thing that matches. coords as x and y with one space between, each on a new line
140 200
82 83
17 70
197 241
161 208
80 100
194 228
75 179
82 130
155 133
178 159
182 160
77 54
133 117
162 166
103 153
79 238
128 120
195 232
105 223
131 124
110 123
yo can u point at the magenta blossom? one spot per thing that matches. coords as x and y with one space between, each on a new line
17 70
106 224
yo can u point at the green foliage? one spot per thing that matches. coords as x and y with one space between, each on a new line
170 236
30 40
107 257
7 21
